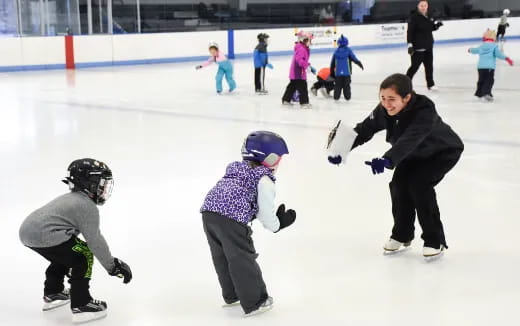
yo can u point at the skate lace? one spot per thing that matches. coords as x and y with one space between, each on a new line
94 301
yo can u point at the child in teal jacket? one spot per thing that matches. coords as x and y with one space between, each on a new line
488 53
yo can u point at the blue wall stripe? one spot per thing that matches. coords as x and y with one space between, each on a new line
31 67
231 55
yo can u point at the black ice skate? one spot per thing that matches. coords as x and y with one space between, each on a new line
93 310
53 301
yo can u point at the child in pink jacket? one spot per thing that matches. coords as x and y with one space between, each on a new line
225 68
298 73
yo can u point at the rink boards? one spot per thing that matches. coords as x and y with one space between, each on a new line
37 53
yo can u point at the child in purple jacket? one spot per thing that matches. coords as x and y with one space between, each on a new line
298 73
247 191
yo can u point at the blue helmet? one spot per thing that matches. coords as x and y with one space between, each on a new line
342 41
264 147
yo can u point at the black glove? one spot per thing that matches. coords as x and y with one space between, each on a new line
286 217
198 67
121 270
507 24
410 50
360 65
439 24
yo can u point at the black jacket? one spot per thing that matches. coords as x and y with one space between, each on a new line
420 31
417 132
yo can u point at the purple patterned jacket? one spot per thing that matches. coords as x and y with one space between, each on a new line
235 195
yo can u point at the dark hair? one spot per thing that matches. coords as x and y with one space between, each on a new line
400 83
254 164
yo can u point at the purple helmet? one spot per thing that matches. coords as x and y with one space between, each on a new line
264 147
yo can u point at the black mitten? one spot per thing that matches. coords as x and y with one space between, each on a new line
121 270
286 217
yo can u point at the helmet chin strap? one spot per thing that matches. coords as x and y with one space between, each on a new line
273 165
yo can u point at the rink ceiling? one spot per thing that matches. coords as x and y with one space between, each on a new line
168 137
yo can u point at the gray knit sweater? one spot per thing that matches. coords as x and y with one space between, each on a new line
66 216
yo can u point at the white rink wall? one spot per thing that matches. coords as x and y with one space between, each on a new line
29 53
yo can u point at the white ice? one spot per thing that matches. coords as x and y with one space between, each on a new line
168 137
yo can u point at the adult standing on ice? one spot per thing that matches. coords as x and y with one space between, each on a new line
424 148
420 42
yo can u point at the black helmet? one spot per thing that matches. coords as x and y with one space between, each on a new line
92 177
262 37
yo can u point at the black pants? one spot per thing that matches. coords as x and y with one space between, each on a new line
72 256
260 79
342 83
299 85
412 190
486 80
425 58
501 31
234 257
329 85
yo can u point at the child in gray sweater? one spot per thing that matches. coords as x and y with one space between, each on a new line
53 230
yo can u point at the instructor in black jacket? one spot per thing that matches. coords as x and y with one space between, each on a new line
420 42
424 148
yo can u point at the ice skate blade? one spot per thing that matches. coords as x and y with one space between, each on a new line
432 258
48 306
231 305
85 317
259 311
395 252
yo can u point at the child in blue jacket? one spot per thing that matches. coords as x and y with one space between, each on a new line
261 61
341 67
488 53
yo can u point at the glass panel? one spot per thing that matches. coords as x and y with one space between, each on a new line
66 17
32 21
99 17
124 13
51 17
8 17
83 16
169 16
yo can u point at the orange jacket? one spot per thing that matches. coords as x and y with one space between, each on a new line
324 73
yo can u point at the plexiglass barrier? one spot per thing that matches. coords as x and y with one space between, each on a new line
80 17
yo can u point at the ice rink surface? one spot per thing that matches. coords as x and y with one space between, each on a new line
168 138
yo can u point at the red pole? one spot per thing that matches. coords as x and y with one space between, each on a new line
69 52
